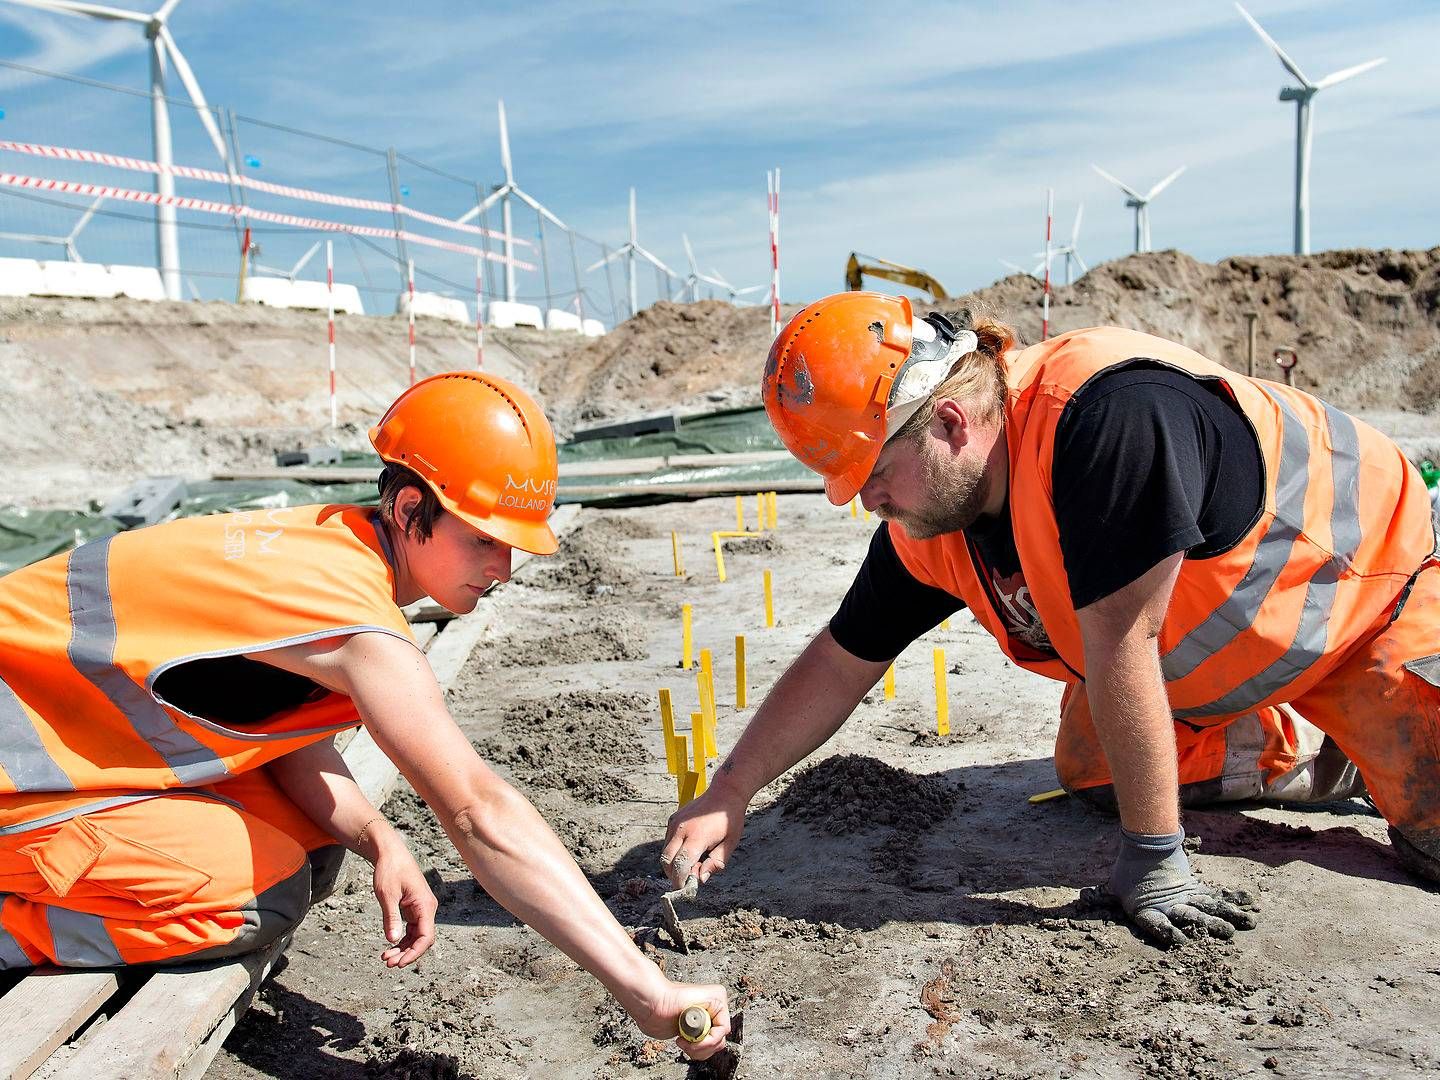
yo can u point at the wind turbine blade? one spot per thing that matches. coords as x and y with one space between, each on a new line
1083 268
192 87
1075 229
1012 266
505 148
528 201
303 260
165 10
634 235
1290 65
751 288
1348 73
1126 188
71 7
652 259
1163 184
689 255
608 258
717 278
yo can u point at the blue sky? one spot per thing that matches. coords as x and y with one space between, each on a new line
926 134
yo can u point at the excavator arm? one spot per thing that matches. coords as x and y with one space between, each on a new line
856 271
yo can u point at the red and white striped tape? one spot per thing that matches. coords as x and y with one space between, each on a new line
204 206
330 298
188 172
1045 310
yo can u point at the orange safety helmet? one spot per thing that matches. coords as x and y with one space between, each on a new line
828 381
484 448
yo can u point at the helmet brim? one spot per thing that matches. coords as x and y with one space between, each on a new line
535 537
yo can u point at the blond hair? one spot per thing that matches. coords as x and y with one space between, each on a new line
977 376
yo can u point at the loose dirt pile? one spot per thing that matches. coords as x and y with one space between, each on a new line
585 563
620 636
574 742
852 794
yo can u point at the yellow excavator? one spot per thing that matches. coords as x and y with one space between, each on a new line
855 272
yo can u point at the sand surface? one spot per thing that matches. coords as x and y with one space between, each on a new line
898 910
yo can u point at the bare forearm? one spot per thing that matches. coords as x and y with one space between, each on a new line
520 862
318 781
807 705
1132 718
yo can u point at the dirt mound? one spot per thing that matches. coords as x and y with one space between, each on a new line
620 636
849 794
574 742
746 925
753 545
584 564
618 527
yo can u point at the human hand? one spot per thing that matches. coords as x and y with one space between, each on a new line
659 1018
1152 884
701 835
407 905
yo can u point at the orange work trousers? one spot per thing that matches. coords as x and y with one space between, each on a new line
189 874
1380 709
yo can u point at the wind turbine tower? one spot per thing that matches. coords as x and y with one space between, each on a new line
1302 96
162 45
1141 203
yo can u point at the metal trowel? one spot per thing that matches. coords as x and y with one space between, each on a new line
669 919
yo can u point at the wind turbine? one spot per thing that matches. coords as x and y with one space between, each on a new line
1070 250
503 194
630 250
1141 203
690 287
1301 95
718 279
162 45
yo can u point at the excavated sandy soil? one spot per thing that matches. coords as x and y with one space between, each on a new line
897 908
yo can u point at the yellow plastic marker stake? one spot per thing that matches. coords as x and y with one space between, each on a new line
944 624
687 638
739 671
762 517
675 550
689 781
773 500
1046 796
719 558
769 600
739 514
942 701
699 729
889 683
683 752
674 766
867 515
699 741
854 509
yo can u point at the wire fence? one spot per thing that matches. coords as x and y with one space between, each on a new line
292 189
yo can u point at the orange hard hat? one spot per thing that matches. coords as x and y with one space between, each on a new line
484 448
836 387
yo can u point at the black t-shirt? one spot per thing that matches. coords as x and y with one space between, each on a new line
1148 462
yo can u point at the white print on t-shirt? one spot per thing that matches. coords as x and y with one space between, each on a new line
1018 610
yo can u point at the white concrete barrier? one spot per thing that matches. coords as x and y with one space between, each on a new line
504 314
555 319
594 328
19 277
137 282
434 306
82 280
305 295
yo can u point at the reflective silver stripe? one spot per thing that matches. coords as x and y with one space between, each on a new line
22 755
1311 634
11 955
1239 609
92 651
108 804
80 940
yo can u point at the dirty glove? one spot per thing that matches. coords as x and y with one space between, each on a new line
1153 885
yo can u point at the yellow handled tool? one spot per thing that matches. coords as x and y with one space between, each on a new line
694 1023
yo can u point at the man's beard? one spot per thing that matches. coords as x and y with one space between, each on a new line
957 494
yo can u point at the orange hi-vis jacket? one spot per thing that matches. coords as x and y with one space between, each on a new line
85 635
1345 524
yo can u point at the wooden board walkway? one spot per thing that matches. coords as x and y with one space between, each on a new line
143 1023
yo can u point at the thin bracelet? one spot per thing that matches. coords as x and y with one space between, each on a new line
360 836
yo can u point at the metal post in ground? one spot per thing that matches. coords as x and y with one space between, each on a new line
401 254
575 269
544 265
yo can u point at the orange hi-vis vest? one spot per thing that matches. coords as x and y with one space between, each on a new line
85 635
1345 524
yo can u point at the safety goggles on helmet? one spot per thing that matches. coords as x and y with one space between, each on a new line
935 345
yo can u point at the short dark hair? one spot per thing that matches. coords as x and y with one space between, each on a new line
393 480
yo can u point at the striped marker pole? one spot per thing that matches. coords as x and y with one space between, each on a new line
772 187
479 316
330 300
410 288
1045 310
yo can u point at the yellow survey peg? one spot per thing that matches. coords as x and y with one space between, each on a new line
890 683
716 538
675 551
674 764
769 599
942 700
740 687
687 638
1046 796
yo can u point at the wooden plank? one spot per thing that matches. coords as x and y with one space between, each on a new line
167 1027
45 1009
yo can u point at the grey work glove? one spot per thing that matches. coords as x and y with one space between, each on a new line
1153 885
